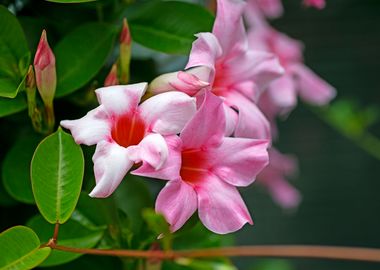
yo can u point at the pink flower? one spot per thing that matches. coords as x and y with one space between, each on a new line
204 169
111 78
222 62
281 95
44 66
126 133
269 8
273 178
319 4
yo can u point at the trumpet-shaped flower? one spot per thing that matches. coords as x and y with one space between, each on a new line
273 177
222 62
204 169
126 133
281 95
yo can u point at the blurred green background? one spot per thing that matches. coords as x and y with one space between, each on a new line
339 182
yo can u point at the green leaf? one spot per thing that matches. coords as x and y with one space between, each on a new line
70 1
159 226
11 106
81 54
72 234
57 173
169 26
14 54
20 249
16 168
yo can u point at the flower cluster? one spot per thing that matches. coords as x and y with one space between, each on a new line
205 129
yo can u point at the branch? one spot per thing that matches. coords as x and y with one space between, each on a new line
320 252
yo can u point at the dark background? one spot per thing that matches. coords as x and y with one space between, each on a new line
339 182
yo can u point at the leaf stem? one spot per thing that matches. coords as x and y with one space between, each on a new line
291 251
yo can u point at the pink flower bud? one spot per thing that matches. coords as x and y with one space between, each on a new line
125 36
111 78
44 66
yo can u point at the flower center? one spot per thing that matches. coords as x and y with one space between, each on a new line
194 165
220 84
128 129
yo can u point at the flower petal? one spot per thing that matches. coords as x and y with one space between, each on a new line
204 52
207 127
111 164
171 168
167 113
231 120
283 94
229 27
238 160
311 87
220 206
153 150
252 122
177 201
120 99
91 128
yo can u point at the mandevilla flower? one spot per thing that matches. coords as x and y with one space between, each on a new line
203 170
273 178
298 78
222 62
126 133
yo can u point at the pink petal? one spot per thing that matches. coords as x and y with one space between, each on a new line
171 168
220 206
204 52
184 81
252 122
319 4
286 164
283 94
111 164
271 8
120 99
231 120
229 27
238 161
167 113
177 201
90 129
311 87
207 126
260 67
153 150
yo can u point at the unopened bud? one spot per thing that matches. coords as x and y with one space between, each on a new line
44 66
111 78
125 52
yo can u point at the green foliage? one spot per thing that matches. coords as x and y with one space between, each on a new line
159 227
10 106
20 249
17 182
14 54
57 173
71 234
81 54
70 1
154 26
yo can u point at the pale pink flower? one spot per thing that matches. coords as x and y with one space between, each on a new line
298 80
222 62
269 8
126 133
319 4
204 169
273 177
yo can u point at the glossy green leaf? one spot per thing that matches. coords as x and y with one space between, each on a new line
10 106
14 54
57 173
159 226
71 234
155 27
16 168
81 54
20 249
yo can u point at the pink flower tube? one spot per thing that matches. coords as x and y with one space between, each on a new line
204 168
126 133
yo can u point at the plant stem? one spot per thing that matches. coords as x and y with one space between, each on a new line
320 252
